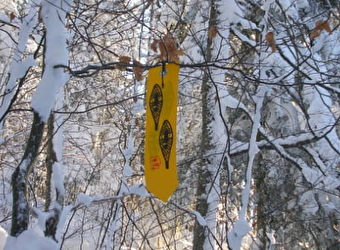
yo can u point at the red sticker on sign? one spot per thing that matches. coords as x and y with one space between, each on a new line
155 162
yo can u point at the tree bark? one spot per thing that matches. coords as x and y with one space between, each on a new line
51 158
204 175
20 213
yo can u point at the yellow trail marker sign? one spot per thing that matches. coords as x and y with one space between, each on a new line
160 135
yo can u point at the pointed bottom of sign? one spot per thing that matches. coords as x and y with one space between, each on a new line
162 191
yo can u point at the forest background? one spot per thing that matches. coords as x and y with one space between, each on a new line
257 124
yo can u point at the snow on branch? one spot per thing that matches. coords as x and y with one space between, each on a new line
56 53
241 227
87 200
271 143
20 65
199 217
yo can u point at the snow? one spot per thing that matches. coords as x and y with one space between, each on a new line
29 240
85 199
289 9
321 119
136 189
220 50
253 148
53 79
26 29
330 206
139 190
319 43
58 177
18 70
317 179
309 204
301 4
231 11
331 183
240 229
19 65
244 38
3 238
230 101
266 6
199 218
312 175
271 237
316 158
127 171
127 152
42 217
62 220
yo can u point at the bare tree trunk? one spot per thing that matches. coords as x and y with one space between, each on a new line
50 159
51 162
204 175
20 213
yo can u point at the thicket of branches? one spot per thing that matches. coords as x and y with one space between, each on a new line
258 141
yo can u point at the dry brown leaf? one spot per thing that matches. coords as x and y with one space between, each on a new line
314 34
167 48
154 45
323 25
180 52
216 98
124 59
162 51
327 28
271 40
212 32
169 42
170 47
123 62
138 70
12 16
320 26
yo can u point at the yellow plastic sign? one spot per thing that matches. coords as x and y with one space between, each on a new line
160 135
